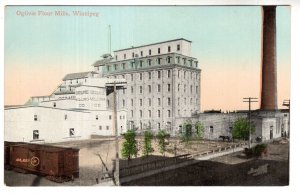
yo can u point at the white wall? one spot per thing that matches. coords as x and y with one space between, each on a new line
54 127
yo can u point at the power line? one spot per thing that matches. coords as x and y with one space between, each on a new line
250 100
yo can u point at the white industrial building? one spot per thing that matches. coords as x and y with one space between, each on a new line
77 109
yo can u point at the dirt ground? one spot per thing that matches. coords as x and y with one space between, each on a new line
91 166
229 170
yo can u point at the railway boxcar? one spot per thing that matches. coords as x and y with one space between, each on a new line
45 159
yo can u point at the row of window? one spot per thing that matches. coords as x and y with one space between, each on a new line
36 134
149 52
35 117
158 102
150 113
149 62
159 75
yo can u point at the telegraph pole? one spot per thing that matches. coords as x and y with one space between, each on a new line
250 100
115 126
287 104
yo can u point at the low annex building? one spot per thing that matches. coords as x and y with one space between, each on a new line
77 109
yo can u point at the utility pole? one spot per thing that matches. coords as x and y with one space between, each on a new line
115 126
250 100
287 104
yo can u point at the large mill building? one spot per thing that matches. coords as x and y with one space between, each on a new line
163 83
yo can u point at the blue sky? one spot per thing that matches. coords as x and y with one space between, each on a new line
226 41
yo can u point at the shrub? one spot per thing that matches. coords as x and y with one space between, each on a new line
129 147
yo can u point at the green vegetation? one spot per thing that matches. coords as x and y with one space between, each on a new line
241 129
148 136
162 135
186 133
199 131
129 147
256 151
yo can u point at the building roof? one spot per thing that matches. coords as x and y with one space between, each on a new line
78 75
154 44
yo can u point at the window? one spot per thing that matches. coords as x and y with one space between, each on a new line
178 112
123 90
158 60
169 48
71 132
35 118
132 64
158 113
131 113
123 103
169 101
168 59
149 88
141 64
169 113
131 89
158 101
158 74
141 113
131 77
196 89
178 87
184 73
124 56
178 47
107 127
100 127
158 88
109 117
158 125
123 66
141 89
149 101
149 74
107 103
184 89
158 50
96 117
141 102
141 76
191 100
178 60
149 62
169 87
116 57
191 89
169 73
196 64
184 61
54 104
178 73
132 54
149 113
191 63
35 134
131 102
150 52
115 66
66 117
211 129
184 101
141 53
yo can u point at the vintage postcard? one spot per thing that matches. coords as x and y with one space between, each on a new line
147 95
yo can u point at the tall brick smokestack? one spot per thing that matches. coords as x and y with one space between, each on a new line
269 69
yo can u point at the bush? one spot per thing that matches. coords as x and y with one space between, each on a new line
162 136
256 151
